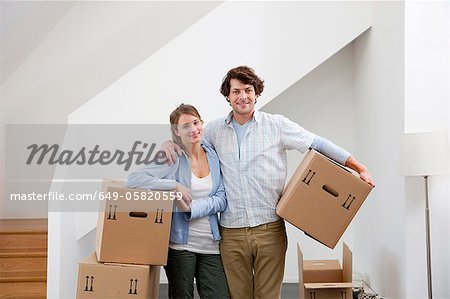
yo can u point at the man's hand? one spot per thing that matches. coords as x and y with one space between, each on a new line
366 177
184 202
171 150
361 169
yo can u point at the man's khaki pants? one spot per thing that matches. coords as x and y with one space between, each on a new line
253 259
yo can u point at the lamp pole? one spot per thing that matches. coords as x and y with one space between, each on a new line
427 220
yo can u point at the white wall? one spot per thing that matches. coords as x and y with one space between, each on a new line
322 102
27 24
377 235
280 44
2 154
426 65
293 39
427 100
81 49
57 55
190 69
91 45
379 93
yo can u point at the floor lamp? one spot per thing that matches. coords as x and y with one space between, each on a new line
425 154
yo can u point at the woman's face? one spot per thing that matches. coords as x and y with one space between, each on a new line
189 129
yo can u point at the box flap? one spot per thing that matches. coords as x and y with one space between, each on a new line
126 265
347 264
338 285
321 265
90 259
300 272
323 271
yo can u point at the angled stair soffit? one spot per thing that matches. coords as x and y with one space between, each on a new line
282 50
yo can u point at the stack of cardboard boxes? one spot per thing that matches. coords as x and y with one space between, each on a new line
132 243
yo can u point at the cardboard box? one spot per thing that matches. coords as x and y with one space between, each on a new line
325 279
322 198
131 229
97 280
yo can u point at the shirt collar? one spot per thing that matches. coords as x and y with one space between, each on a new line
203 145
256 117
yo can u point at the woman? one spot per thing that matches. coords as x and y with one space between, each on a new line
194 234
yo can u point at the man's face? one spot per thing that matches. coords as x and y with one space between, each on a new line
242 97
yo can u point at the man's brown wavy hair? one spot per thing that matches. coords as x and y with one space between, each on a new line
245 75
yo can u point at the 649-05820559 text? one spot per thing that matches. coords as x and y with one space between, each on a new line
97 195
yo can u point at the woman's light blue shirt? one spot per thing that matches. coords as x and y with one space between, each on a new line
165 177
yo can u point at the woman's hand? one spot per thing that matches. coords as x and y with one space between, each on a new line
184 202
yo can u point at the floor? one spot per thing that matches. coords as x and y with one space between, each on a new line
289 291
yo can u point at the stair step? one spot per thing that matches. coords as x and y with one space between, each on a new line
23 241
23 226
27 290
23 233
23 264
24 276
23 252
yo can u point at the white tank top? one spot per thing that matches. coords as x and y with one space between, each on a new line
200 236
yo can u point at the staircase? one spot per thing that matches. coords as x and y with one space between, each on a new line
23 258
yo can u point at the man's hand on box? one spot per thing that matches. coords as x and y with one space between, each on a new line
361 169
366 177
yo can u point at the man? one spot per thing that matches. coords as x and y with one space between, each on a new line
251 146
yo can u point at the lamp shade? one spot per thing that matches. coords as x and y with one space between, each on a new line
426 153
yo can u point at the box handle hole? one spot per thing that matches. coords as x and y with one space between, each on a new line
138 214
330 190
